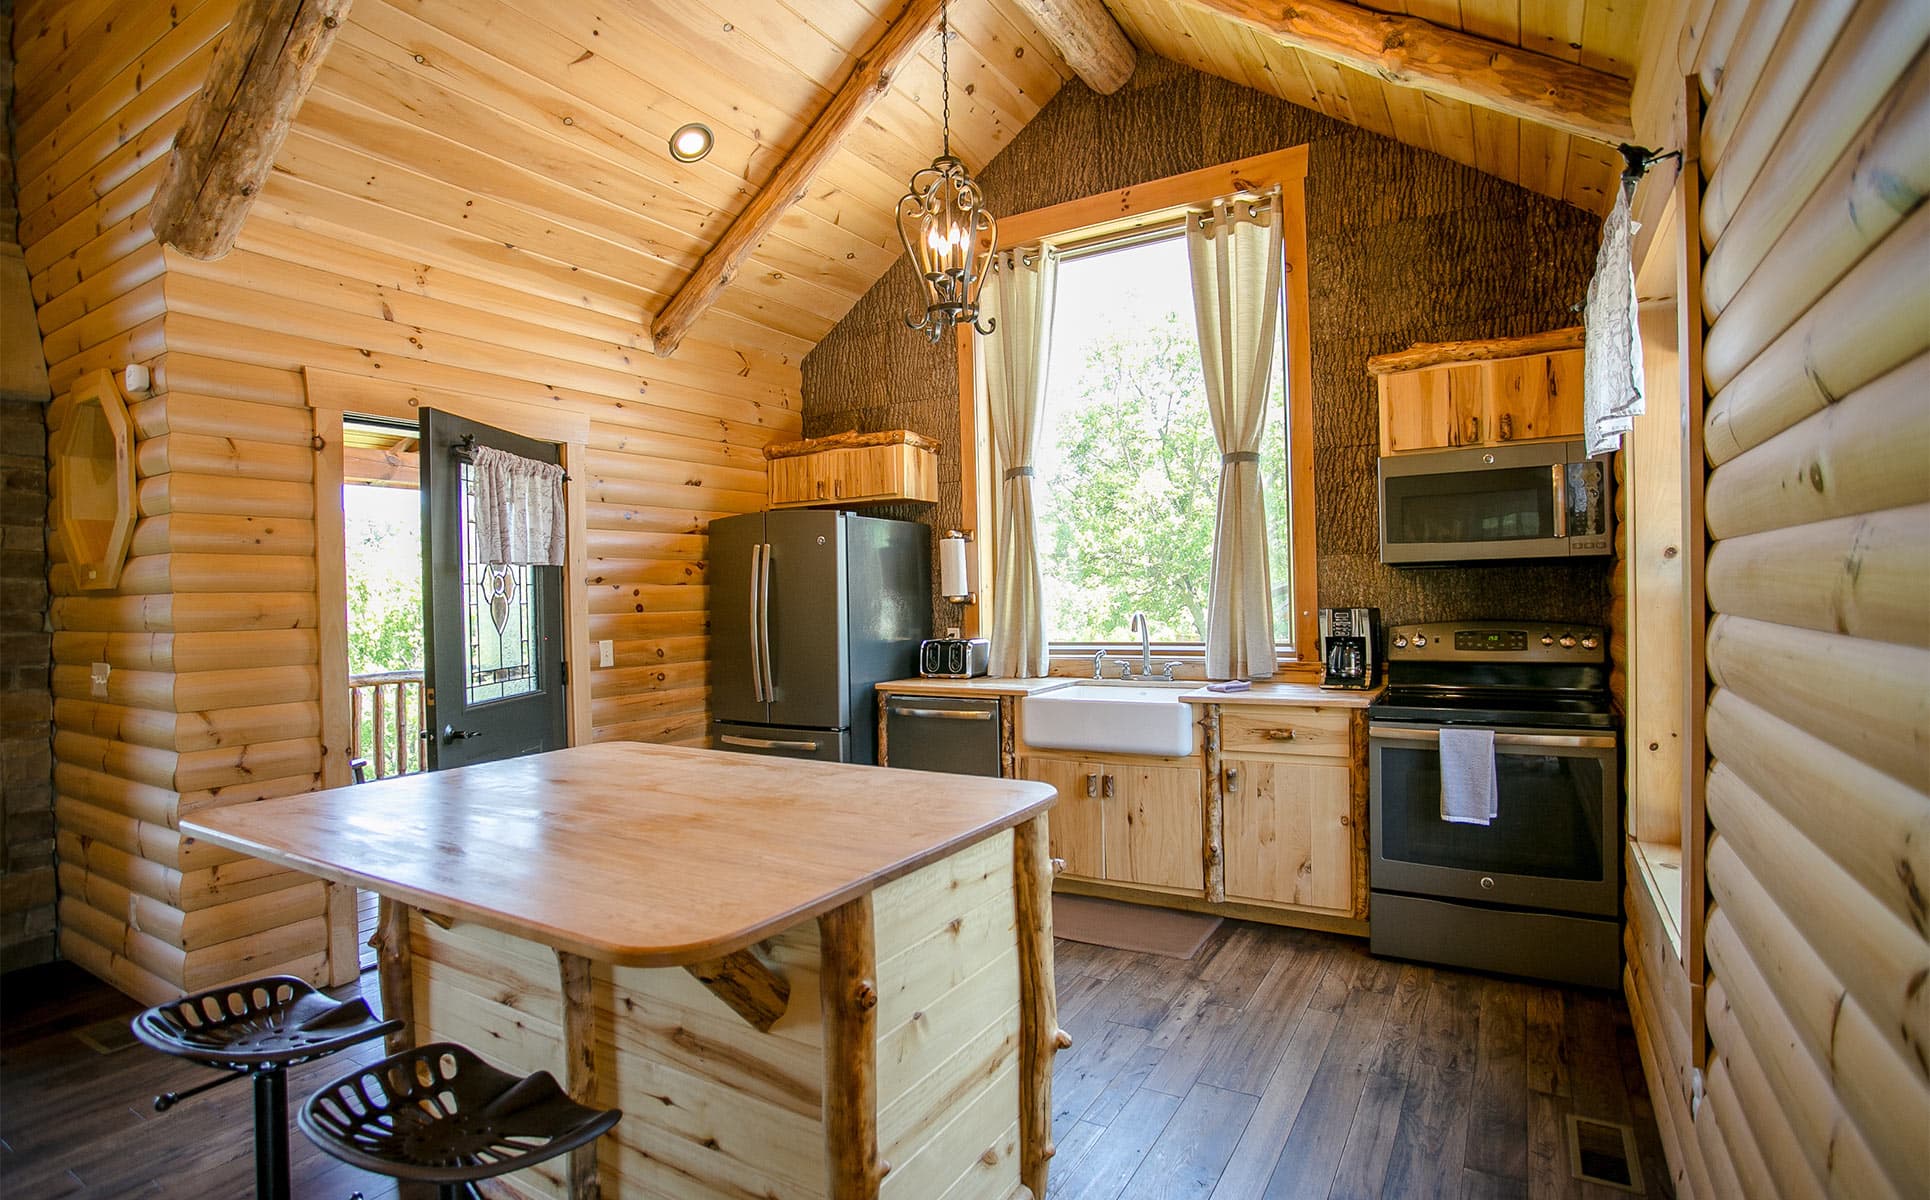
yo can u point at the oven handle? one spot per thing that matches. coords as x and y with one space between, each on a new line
1400 733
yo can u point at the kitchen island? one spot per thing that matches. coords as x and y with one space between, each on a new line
795 978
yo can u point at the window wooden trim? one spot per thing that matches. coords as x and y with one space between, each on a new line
1120 210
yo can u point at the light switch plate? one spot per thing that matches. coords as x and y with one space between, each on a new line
606 653
98 678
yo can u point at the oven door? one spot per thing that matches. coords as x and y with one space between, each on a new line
1555 845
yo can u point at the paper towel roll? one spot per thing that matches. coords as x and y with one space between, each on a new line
954 576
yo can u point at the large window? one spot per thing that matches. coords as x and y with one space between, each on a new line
1127 467
1127 460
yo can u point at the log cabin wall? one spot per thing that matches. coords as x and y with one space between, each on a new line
26 706
1404 245
360 265
1806 242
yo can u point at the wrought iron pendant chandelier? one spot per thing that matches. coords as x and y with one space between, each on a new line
947 231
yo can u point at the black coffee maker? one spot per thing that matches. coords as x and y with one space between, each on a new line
1350 647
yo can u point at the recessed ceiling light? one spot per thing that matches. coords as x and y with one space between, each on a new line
691 142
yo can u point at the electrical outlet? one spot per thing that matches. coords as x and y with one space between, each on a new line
98 678
606 653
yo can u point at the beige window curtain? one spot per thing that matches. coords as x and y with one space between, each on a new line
520 518
1235 253
1010 375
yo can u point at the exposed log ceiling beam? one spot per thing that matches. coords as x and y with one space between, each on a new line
1087 37
876 70
236 125
1410 52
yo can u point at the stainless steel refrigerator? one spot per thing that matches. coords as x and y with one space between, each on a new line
810 609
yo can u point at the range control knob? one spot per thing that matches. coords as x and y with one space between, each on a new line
1400 642
1547 639
1567 641
1420 639
1590 642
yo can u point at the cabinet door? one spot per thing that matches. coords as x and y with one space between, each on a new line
1288 838
1154 827
1076 822
1430 409
1536 397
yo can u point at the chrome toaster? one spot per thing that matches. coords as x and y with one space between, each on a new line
954 658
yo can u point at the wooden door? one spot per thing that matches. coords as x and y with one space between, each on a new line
493 657
1077 822
1431 409
1154 827
1288 838
1534 398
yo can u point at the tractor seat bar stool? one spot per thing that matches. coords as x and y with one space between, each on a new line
439 1114
259 1029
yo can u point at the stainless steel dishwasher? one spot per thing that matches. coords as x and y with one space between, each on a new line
942 733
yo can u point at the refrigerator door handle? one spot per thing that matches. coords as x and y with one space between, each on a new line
757 657
764 625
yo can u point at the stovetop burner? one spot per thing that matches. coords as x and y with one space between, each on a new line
1498 674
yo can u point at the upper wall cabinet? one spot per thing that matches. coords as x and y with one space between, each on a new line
93 482
1484 393
853 468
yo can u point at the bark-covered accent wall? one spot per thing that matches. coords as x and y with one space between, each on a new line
1404 246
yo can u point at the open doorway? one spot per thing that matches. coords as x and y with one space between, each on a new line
382 560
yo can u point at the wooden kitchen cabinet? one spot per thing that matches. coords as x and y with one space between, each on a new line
853 469
1289 832
1125 822
1485 393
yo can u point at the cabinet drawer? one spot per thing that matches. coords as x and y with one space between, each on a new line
1285 731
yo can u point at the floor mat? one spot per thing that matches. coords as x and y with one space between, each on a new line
1134 927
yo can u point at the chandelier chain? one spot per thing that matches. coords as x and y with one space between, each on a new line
945 68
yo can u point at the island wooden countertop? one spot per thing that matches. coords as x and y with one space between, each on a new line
629 853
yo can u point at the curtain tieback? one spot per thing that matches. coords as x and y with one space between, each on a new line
1028 472
1239 456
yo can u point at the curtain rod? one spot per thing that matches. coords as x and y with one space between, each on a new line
1256 203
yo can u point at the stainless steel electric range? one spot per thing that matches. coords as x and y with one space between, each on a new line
1537 890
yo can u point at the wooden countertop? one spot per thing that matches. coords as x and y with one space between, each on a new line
1302 695
629 853
1299 694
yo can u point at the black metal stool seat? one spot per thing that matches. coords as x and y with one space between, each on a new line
258 1030
439 1114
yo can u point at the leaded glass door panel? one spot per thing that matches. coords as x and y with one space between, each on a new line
494 634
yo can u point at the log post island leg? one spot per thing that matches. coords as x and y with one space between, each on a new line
1214 820
579 1064
395 971
1040 1038
848 991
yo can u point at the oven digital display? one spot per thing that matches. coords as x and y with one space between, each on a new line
1490 639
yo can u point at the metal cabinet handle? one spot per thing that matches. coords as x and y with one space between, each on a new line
820 489
1474 430
1507 427
1110 790
731 739
945 714
1233 779
837 488
1092 785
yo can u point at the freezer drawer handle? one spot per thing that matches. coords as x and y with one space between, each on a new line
731 739
944 714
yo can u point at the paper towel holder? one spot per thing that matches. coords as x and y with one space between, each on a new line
957 568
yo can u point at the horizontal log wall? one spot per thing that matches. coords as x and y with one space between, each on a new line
1812 229
373 255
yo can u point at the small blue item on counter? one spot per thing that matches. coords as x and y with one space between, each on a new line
1230 685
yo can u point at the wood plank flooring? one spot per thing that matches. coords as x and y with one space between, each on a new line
1274 1063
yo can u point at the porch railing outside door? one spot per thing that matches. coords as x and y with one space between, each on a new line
386 721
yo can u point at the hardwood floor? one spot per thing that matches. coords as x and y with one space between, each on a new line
1274 1063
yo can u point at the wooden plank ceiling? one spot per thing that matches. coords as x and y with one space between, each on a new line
544 127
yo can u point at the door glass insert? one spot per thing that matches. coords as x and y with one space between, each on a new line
499 659
1550 824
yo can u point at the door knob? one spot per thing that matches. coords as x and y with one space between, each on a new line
451 734
1233 779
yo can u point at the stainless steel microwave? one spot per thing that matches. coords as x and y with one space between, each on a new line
1538 500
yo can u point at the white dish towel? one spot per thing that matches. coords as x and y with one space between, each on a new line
1469 795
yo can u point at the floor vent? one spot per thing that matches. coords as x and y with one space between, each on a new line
1604 1152
106 1037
